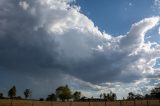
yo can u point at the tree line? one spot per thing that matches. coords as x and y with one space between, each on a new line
64 93
12 93
154 94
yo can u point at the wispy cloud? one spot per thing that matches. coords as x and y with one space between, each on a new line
157 3
156 6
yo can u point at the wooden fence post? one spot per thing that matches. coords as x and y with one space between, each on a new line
11 102
105 103
70 103
134 102
120 103
51 103
147 103
32 102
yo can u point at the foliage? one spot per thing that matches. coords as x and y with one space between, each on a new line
51 97
76 95
63 93
1 95
41 99
109 97
27 93
139 96
132 96
12 92
101 96
155 93
147 96
83 98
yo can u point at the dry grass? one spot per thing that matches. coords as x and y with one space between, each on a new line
46 103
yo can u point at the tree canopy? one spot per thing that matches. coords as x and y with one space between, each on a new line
51 97
27 93
155 93
63 93
76 95
1 95
109 96
12 92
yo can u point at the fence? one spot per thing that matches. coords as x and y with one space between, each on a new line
47 103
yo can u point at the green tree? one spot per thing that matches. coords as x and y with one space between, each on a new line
114 96
147 96
27 93
131 96
63 93
155 93
101 96
109 96
104 96
1 95
12 92
139 96
51 97
83 98
76 95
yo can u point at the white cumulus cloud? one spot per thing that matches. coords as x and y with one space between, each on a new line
24 5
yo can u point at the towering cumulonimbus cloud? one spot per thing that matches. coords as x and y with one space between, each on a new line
50 39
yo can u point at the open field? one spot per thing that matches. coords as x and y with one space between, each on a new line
47 103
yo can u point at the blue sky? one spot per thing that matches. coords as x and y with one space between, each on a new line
106 45
116 16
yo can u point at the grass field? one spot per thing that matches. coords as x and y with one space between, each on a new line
47 103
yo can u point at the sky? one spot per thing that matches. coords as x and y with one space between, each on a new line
93 46
116 17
